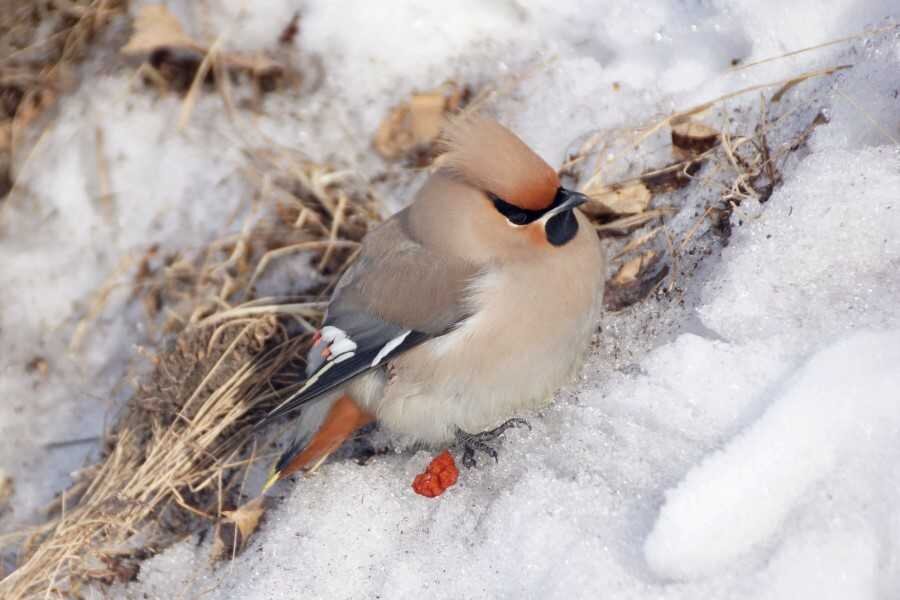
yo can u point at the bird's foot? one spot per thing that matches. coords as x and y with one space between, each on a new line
481 442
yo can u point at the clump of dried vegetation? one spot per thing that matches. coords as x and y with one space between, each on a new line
176 459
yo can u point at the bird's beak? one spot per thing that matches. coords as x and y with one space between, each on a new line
566 200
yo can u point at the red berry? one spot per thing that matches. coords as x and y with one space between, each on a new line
440 474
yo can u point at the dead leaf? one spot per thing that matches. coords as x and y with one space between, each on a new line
394 136
671 177
236 528
624 225
159 35
415 125
156 27
692 138
634 280
629 270
247 516
426 113
628 199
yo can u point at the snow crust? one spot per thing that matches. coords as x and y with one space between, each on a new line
741 445
840 401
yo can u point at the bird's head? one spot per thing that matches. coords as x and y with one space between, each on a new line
509 199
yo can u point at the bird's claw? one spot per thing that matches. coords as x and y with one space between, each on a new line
472 442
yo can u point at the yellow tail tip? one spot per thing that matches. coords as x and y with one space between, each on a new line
274 476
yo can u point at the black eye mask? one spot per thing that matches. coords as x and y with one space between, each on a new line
514 214
523 216
560 228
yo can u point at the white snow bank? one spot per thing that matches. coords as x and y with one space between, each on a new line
826 564
736 498
822 259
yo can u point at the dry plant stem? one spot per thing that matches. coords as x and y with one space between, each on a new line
338 218
305 309
849 38
634 220
868 116
681 166
635 243
271 255
753 88
190 100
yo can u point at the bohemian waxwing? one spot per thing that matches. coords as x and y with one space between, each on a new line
471 305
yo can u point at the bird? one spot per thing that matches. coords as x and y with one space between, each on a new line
469 307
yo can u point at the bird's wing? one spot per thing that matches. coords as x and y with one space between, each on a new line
396 295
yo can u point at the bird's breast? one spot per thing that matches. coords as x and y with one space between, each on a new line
530 324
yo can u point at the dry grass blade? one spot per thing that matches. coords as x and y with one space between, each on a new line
202 71
626 224
636 242
888 136
849 38
699 108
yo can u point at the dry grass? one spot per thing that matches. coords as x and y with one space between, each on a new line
175 459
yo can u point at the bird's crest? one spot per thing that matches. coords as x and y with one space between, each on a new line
489 156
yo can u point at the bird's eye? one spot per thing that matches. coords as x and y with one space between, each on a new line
517 218
514 214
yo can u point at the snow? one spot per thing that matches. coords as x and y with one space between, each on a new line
845 395
742 443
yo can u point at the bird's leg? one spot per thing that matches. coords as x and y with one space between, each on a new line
363 446
472 442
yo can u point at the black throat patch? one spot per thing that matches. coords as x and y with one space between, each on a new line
561 228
